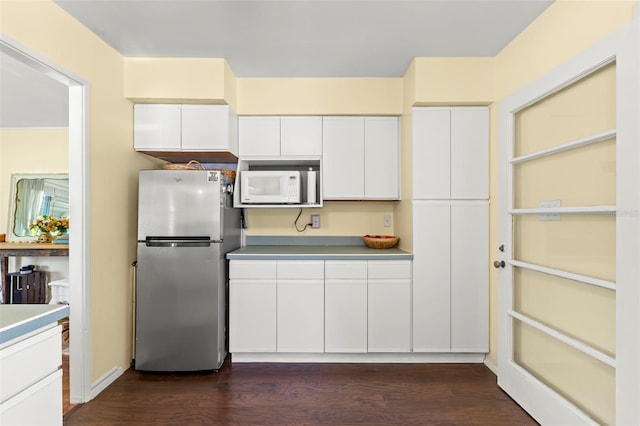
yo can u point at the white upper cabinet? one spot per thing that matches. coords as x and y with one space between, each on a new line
202 128
431 153
209 127
361 158
301 136
273 136
450 153
259 136
470 153
343 158
381 158
157 127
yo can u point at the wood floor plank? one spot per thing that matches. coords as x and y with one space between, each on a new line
318 394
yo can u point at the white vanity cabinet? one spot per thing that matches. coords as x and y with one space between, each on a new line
345 290
389 306
191 128
275 136
252 306
361 158
31 379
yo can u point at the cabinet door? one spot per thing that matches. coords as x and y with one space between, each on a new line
300 322
343 158
205 128
431 153
157 127
301 136
381 158
470 153
470 277
389 315
259 136
252 315
431 276
345 315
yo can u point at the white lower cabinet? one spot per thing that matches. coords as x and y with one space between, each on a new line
317 306
31 380
469 277
252 306
300 301
345 290
300 316
450 276
389 306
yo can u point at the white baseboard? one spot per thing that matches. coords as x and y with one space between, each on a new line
491 366
104 381
360 358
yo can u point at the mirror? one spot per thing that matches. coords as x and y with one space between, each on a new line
34 195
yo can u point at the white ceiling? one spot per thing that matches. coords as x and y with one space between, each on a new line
303 38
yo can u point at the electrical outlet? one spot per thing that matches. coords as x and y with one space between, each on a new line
387 220
315 221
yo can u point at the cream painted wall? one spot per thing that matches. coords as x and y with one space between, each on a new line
32 151
46 29
454 81
403 214
176 80
566 28
336 218
320 96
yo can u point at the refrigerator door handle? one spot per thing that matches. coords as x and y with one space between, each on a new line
179 242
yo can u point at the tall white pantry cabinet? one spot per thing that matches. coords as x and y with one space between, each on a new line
450 229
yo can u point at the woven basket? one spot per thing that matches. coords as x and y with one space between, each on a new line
191 165
229 174
380 241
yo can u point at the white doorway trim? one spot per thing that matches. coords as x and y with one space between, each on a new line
543 403
79 274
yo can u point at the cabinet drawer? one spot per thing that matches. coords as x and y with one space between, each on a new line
345 269
252 269
300 269
29 361
384 269
40 404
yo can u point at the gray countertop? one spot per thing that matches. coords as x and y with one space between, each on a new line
318 252
18 320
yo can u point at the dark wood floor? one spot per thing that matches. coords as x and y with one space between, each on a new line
318 394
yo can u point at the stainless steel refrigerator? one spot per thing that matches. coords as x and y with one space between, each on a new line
186 225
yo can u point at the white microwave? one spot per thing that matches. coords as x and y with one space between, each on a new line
270 187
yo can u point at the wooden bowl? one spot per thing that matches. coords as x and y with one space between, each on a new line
380 241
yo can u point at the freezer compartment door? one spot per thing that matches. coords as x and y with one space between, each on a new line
180 308
179 203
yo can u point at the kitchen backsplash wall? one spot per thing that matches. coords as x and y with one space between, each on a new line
336 218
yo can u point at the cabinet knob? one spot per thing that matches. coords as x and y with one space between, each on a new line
498 264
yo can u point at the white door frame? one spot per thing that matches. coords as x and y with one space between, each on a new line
544 404
79 276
